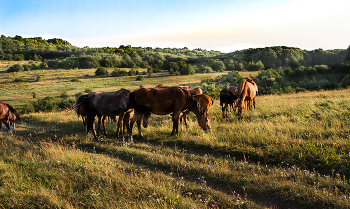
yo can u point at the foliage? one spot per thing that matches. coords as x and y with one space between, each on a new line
15 68
100 71
48 104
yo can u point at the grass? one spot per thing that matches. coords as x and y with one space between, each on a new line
292 151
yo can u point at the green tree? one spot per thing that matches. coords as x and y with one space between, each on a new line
100 71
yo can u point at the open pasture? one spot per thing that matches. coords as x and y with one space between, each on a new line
292 151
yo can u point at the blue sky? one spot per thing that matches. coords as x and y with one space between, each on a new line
224 25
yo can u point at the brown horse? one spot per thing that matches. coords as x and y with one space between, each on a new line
102 104
163 101
247 93
205 101
8 116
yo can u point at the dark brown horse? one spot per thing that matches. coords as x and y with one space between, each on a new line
100 104
205 101
163 101
227 98
8 116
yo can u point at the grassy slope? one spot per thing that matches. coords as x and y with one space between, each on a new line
291 152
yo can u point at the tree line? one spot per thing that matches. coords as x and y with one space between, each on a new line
60 54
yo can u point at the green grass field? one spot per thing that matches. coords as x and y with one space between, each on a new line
292 151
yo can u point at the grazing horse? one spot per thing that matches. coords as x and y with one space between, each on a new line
109 104
195 91
227 98
8 116
163 101
247 93
205 101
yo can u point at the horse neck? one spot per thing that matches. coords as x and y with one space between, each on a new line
193 106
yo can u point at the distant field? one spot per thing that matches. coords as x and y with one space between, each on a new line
292 151
54 82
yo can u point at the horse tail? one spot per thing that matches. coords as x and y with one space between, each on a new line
14 111
137 106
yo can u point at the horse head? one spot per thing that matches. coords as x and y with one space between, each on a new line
204 122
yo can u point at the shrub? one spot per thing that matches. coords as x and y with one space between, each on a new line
38 78
100 71
26 67
88 90
18 80
139 78
75 80
15 68
49 104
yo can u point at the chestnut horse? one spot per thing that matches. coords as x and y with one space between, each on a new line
205 101
247 93
8 116
163 101
102 104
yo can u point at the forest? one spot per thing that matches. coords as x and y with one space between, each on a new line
282 69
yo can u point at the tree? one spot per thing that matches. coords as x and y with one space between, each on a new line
218 65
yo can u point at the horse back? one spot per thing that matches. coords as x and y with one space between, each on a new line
159 101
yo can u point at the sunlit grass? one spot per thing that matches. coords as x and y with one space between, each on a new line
291 150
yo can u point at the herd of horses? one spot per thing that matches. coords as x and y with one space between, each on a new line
177 101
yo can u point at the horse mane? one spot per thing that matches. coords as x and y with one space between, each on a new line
193 101
14 111
243 86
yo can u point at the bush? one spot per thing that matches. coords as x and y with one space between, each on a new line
49 104
38 78
75 80
88 90
118 72
18 80
100 71
139 78
15 68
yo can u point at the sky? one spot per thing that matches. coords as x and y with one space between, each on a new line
221 25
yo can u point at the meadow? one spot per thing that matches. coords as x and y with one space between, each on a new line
292 151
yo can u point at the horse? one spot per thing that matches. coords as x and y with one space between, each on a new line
247 93
101 104
227 98
195 91
205 101
163 101
234 90
8 116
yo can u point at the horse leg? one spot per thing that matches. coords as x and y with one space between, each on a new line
126 122
119 124
176 119
91 126
135 118
104 118
98 124
184 117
